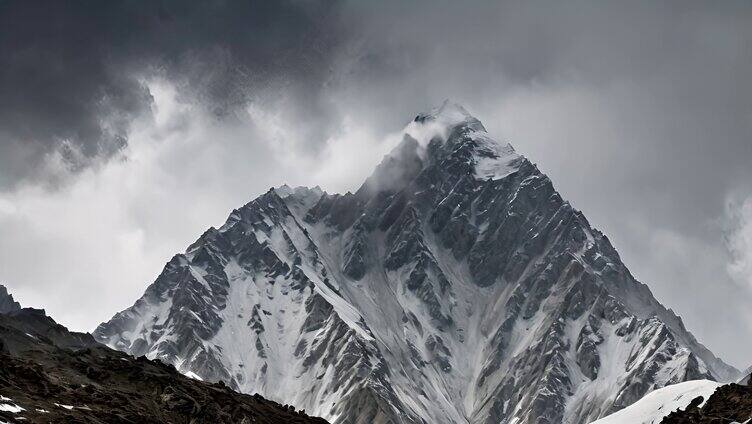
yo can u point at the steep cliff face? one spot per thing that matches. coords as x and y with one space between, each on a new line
455 286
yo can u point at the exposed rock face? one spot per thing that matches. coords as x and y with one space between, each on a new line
51 375
455 286
7 304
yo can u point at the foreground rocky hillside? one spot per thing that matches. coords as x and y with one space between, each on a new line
51 375
455 286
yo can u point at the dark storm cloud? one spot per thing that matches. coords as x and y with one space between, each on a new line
69 70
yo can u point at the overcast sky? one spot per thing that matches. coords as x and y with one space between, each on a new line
128 128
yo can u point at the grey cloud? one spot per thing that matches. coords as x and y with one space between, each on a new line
71 70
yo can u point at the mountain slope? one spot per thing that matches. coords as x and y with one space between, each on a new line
49 374
455 286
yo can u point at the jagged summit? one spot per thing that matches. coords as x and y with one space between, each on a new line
7 303
455 286
286 191
448 135
449 114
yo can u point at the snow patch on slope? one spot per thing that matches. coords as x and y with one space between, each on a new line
492 159
659 403
11 407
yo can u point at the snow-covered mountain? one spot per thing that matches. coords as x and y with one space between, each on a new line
455 286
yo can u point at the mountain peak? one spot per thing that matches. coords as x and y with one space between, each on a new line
449 112
464 140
